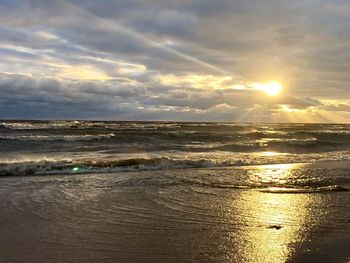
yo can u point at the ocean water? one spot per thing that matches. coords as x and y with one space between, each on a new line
93 191
60 147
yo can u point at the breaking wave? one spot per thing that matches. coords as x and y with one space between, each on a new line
49 166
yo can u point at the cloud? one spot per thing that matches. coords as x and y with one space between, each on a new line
165 23
23 95
158 59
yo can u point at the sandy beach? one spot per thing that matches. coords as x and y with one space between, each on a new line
185 215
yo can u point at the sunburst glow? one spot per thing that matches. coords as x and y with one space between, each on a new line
272 88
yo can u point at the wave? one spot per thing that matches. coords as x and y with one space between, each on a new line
283 145
55 125
86 137
179 137
38 125
246 129
299 179
50 166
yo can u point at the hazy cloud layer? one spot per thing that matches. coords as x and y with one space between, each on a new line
176 60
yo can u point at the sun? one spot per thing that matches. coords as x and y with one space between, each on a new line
272 88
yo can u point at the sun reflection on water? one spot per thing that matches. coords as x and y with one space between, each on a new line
272 175
273 222
268 153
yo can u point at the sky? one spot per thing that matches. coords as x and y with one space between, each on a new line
176 60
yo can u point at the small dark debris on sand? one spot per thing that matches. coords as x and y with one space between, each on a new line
277 227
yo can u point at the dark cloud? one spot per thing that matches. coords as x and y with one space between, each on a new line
48 97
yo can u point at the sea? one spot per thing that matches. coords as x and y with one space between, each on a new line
108 191
73 147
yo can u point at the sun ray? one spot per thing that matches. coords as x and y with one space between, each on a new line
114 26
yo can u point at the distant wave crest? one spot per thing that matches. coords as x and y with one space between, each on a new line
84 137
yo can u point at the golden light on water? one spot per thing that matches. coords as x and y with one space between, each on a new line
272 174
276 220
270 153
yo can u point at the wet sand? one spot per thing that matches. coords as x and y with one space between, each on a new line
187 215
